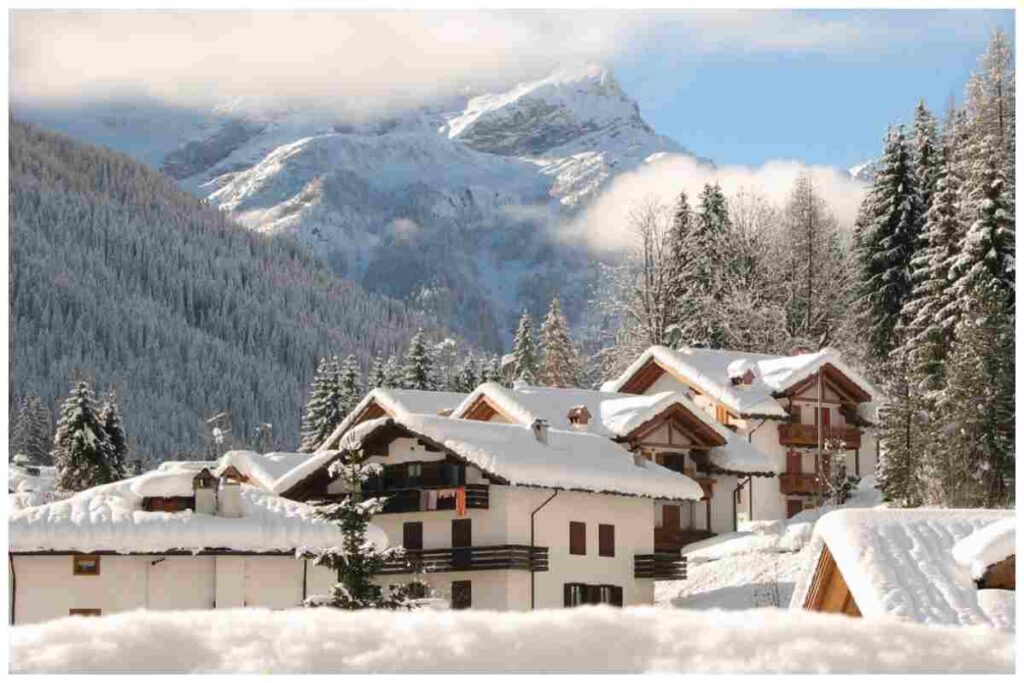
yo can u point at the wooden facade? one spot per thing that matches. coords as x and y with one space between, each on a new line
829 592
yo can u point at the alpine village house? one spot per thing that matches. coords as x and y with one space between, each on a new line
506 498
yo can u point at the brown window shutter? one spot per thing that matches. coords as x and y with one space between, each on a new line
577 538
606 540
412 535
462 533
617 596
462 594
670 516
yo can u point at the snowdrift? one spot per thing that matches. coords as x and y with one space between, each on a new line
645 640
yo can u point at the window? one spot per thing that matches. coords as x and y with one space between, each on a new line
606 540
417 590
575 594
413 474
577 538
84 612
462 541
722 414
85 565
412 535
462 594
794 414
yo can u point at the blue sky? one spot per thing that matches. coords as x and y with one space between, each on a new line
827 101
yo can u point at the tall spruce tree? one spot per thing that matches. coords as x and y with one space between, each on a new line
357 561
558 367
898 470
524 350
887 229
924 154
116 442
324 409
377 377
350 389
977 405
680 267
468 376
712 266
80 449
418 373
32 431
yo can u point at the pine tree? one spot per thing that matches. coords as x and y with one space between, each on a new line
357 561
377 377
80 447
32 431
490 371
887 230
987 252
924 156
898 470
558 368
977 405
680 267
324 410
712 266
116 442
394 375
418 370
524 349
349 389
468 376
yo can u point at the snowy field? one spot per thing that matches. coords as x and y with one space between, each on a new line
586 639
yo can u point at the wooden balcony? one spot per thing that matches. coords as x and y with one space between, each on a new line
659 566
668 540
478 497
801 483
477 558
805 436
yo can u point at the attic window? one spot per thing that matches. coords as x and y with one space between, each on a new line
579 416
85 565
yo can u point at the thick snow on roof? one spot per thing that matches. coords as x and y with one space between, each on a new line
569 460
987 546
900 563
110 518
262 468
397 402
711 370
612 415
584 639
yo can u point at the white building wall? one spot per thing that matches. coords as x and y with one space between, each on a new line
48 589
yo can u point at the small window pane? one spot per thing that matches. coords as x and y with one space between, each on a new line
577 538
86 565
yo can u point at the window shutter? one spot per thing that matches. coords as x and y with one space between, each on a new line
462 594
592 595
617 596
606 540
577 538
567 594
412 535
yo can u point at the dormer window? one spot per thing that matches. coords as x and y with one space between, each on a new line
579 417
231 475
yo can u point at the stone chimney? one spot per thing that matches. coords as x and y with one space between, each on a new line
540 430
579 418
229 497
204 488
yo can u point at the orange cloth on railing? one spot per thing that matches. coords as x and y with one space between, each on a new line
460 501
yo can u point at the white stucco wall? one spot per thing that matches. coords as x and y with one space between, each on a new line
48 589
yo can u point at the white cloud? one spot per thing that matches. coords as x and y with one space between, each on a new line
605 224
374 59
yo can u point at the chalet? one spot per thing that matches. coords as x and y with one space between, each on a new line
908 564
509 516
787 407
666 428
171 539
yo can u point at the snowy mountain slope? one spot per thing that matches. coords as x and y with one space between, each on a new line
865 171
449 206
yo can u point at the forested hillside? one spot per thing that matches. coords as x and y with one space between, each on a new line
119 277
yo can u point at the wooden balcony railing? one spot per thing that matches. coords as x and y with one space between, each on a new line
668 540
477 558
409 499
807 435
800 482
659 566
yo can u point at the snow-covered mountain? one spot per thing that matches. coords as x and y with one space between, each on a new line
864 172
450 206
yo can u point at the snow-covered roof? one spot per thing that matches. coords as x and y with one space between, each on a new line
711 372
569 460
20 479
396 402
110 518
614 415
899 562
987 546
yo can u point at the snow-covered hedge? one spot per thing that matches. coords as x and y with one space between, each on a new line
592 639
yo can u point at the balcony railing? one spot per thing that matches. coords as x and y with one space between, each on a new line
659 566
801 482
478 497
672 540
807 435
477 558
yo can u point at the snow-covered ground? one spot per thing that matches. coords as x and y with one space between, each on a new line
586 639
756 567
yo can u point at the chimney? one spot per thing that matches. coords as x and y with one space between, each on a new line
204 488
540 430
229 498
579 418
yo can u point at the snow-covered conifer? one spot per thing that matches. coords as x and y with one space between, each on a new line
116 442
376 377
324 407
350 389
558 367
418 372
80 444
32 431
898 470
524 349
